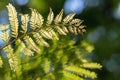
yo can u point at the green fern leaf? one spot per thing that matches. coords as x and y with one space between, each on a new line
5 34
71 29
71 76
36 19
8 49
68 18
1 62
25 20
13 20
32 39
76 22
81 72
58 18
45 34
33 19
28 52
22 48
91 65
60 30
50 17
31 44
13 61
52 33
39 40
65 29
19 45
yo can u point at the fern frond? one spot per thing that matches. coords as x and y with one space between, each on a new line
33 38
39 40
81 72
71 76
60 30
19 47
23 48
13 61
33 19
8 49
13 20
31 44
58 18
30 39
50 17
68 18
91 65
45 34
28 52
5 34
25 20
65 29
11 58
36 25
52 33
36 19
76 22
1 62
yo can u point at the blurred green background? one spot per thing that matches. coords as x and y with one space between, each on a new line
102 18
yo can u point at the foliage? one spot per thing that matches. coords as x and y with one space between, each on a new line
29 55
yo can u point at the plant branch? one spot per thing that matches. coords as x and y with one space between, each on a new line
36 30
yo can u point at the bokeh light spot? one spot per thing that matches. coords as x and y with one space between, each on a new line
22 2
117 12
74 6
